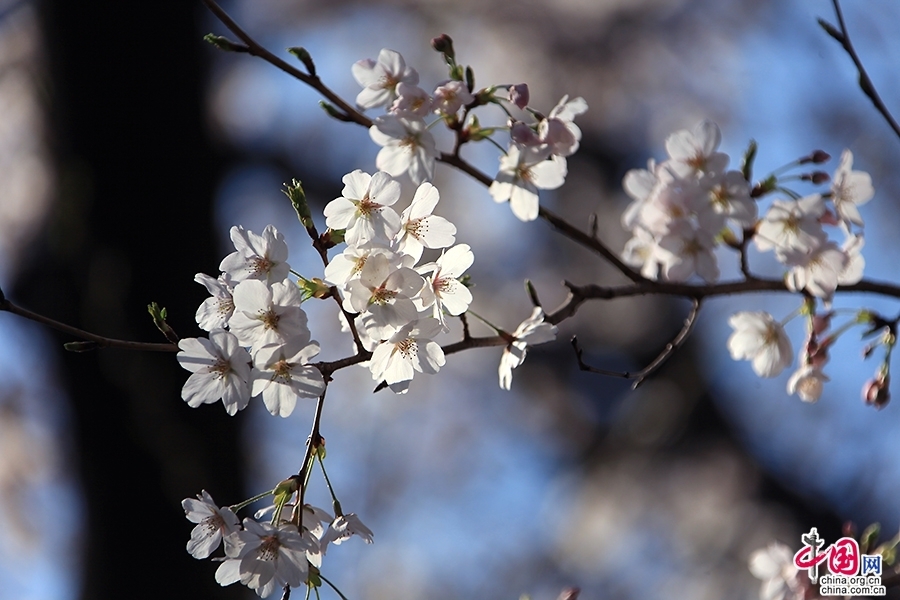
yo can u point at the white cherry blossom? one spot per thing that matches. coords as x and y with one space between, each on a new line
559 130
442 290
523 171
380 79
266 315
817 271
420 229
412 102
410 349
774 565
265 558
759 338
450 96
364 208
342 528
694 152
281 374
856 263
531 331
385 293
729 195
850 189
791 225
216 310
213 523
219 368
807 382
262 257
407 147
349 264
688 250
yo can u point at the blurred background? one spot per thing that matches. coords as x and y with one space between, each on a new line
129 147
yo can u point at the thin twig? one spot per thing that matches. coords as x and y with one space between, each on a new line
315 438
666 353
99 340
865 82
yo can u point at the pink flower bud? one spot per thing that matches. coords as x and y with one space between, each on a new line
518 95
821 322
875 392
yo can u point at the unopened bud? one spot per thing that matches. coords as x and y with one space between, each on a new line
294 192
818 157
444 44
223 43
519 95
875 392
303 56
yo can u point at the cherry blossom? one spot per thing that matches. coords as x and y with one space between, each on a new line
342 528
380 79
349 264
523 171
850 189
687 250
559 131
442 290
807 382
385 293
261 257
281 374
531 331
774 565
213 523
759 338
412 102
267 315
817 271
410 349
450 96
216 310
364 208
219 368
419 228
791 226
407 147
694 152
265 558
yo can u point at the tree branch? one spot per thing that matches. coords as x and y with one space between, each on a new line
95 342
667 352
865 82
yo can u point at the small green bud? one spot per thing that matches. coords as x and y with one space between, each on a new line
747 163
303 56
444 44
333 237
470 79
158 314
332 111
313 288
223 43
294 192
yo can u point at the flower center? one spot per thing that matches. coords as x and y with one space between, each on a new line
259 265
282 371
268 550
408 348
221 368
269 319
382 296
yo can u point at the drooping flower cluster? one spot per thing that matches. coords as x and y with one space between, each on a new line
259 343
400 306
267 557
537 153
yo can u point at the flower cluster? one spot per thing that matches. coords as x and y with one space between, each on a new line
267 557
689 204
399 306
259 343
536 158
685 206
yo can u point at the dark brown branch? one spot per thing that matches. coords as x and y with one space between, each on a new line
313 81
99 340
666 353
865 82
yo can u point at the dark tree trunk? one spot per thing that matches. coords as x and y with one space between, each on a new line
132 224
